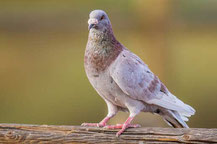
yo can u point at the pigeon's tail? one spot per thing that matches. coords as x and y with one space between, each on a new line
175 119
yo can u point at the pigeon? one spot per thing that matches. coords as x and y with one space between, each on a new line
125 82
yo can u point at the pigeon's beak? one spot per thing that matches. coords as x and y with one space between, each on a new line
92 23
91 26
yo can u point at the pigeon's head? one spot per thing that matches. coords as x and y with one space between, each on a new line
98 20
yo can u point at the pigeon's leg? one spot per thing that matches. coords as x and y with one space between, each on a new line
100 124
112 111
124 126
133 112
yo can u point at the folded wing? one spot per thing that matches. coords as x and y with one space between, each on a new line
138 82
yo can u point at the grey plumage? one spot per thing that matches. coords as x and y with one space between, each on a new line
123 80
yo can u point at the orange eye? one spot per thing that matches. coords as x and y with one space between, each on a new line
102 17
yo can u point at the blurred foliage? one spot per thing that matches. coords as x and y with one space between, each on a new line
42 43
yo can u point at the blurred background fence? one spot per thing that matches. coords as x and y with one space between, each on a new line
42 43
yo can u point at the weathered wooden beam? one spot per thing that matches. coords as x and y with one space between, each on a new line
23 133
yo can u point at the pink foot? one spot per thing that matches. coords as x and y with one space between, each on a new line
119 126
123 127
94 124
101 124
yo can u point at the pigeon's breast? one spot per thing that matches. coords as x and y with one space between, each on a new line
99 56
107 88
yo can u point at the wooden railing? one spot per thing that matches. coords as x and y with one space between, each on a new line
23 133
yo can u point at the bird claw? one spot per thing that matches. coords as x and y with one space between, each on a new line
93 124
123 127
119 126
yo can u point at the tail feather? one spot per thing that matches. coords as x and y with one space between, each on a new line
170 102
184 118
176 116
174 119
189 110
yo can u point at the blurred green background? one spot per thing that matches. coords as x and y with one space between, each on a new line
42 44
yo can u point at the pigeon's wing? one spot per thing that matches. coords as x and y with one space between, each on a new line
137 81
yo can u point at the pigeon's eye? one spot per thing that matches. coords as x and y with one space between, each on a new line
102 17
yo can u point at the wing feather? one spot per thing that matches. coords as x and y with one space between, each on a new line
138 82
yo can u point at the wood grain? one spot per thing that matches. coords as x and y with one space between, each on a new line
50 134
